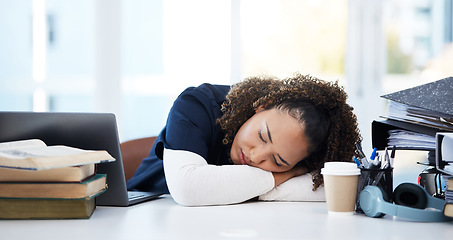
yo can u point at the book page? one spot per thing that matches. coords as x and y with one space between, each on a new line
31 143
40 152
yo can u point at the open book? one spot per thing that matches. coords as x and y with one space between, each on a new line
34 154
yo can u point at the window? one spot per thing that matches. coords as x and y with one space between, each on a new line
134 57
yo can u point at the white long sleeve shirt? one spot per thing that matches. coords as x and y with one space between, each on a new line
193 182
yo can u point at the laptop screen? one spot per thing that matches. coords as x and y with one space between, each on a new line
90 131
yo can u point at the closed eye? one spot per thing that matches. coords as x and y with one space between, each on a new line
273 156
275 161
261 136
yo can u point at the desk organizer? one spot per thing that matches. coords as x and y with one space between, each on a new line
383 178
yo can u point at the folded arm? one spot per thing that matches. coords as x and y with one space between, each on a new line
295 189
193 182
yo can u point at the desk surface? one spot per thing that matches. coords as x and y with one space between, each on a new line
164 219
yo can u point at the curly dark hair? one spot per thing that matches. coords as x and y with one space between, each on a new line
320 106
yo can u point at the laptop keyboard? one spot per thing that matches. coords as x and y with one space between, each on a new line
135 195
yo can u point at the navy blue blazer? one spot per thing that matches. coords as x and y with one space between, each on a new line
191 126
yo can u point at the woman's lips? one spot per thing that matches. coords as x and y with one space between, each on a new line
242 158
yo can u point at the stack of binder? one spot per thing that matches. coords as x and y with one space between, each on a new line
414 117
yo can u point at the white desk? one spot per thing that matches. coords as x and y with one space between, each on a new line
164 219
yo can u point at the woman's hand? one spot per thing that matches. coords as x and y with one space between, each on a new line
281 177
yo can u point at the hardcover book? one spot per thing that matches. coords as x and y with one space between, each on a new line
87 188
11 208
448 208
63 174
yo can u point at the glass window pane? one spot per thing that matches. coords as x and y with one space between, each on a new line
70 55
16 55
283 37
419 42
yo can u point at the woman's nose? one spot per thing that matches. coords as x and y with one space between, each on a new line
259 155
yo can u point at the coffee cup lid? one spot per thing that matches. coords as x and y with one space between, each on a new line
340 168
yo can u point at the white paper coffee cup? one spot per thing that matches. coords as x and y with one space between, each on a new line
340 186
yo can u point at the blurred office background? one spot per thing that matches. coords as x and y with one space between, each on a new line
134 57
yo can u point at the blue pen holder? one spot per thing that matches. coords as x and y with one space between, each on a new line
383 178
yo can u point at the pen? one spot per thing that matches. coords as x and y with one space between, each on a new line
375 159
377 163
359 151
392 155
362 156
373 154
386 161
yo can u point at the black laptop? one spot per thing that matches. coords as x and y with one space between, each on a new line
91 131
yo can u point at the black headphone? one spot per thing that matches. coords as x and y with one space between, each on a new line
411 202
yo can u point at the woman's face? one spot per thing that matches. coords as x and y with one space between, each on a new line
271 140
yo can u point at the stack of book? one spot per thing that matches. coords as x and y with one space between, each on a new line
448 209
49 182
444 164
